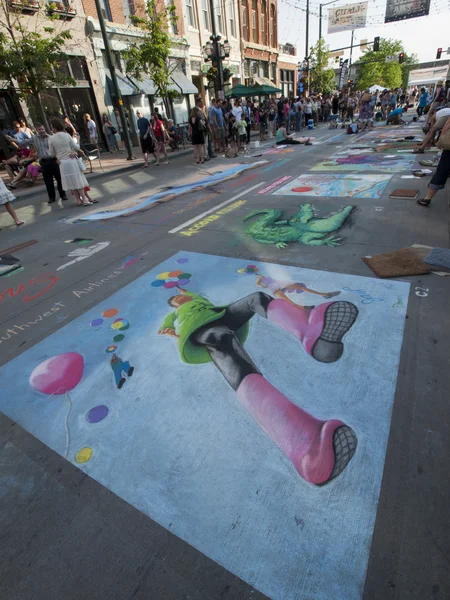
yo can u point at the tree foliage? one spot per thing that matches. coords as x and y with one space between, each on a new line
151 53
322 79
31 50
374 70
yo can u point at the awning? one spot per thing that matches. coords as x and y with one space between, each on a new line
182 84
263 81
125 86
145 85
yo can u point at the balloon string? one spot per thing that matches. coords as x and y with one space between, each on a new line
66 424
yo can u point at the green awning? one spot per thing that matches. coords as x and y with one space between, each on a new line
239 91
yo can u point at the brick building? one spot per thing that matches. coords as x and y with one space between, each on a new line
259 40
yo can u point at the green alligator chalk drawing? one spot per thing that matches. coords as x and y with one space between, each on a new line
303 227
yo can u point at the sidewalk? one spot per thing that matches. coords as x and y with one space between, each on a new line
110 163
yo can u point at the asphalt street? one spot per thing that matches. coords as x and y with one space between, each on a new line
64 535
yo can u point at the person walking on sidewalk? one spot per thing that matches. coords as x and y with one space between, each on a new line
110 133
49 164
6 198
159 135
197 124
64 149
146 137
91 131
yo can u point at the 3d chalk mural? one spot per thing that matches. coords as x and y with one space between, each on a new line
231 401
348 185
303 227
366 162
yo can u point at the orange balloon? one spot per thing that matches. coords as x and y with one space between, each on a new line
111 312
175 273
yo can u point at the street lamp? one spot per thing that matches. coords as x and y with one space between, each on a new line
215 51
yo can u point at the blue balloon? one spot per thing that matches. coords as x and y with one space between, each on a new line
157 283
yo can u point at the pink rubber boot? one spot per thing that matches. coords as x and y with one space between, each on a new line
320 450
320 330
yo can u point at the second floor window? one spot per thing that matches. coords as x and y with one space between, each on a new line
131 8
219 18
255 21
245 27
171 17
205 11
190 13
232 21
106 7
263 23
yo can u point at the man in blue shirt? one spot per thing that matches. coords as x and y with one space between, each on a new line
217 124
18 134
146 136
394 117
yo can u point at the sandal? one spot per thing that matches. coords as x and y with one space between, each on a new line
19 223
424 202
418 151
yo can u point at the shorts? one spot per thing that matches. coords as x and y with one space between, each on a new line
159 138
93 139
147 145
219 133
262 126
243 137
350 111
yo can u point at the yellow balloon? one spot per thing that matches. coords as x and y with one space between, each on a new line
84 455
241 270
163 275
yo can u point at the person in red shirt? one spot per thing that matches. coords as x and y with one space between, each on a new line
159 133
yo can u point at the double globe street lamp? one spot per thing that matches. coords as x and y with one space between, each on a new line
215 51
305 66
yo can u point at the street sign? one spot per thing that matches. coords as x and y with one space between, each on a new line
392 58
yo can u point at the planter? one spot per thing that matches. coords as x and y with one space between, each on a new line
25 6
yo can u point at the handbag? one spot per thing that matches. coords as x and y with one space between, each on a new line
444 141
81 164
113 130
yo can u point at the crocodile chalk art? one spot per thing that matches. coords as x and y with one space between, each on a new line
303 227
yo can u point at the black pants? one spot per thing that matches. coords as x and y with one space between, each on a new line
288 141
221 342
249 128
50 170
442 172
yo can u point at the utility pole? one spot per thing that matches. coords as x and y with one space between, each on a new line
112 69
307 46
219 92
320 21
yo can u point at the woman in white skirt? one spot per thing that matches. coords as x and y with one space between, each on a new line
6 197
64 148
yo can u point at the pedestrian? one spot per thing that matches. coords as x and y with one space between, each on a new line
423 101
327 105
365 112
197 125
209 151
18 134
437 100
351 105
120 129
262 116
272 116
63 147
24 127
314 110
237 110
110 133
393 100
159 135
248 115
442 173
308 111
6 198
217 123
146 137
49 164
73 129
91 131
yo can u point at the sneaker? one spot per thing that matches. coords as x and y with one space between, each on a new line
121 382
52 200
339 318
130 371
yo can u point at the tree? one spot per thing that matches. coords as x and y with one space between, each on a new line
151 54
322 79
31 51
374 70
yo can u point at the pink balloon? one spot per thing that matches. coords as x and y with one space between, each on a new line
58 374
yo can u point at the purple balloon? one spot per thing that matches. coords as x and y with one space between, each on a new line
97 414
96 322
184 281
181 261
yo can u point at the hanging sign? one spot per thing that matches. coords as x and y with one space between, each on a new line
398 10
347 17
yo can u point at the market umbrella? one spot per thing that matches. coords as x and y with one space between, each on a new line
238 91
265 90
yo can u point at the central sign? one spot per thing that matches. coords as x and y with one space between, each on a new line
347 17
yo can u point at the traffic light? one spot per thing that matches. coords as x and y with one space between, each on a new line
341 62
336 60
438 53
376 44
349 82
401 57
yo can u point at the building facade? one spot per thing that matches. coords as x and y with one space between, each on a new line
287 70
198 26
259 41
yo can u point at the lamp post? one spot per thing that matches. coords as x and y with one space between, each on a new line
215 51
306 65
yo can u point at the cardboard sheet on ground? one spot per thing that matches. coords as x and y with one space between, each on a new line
176 441
338 186
366 162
